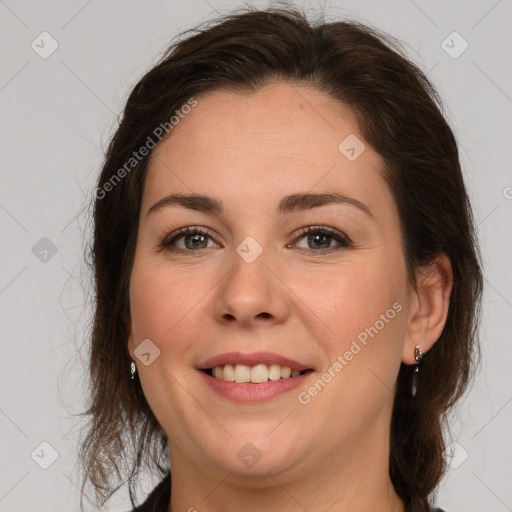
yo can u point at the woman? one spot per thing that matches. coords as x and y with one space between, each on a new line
287 275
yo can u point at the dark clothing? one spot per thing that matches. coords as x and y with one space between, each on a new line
158 500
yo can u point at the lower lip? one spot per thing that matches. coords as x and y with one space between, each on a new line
250 392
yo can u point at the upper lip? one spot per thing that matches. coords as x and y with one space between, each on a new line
251 360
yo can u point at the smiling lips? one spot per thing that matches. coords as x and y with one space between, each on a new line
234 374
255 374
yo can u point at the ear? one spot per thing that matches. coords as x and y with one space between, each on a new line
428 307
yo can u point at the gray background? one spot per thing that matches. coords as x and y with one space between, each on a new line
57 114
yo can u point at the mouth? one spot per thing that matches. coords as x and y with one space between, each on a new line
255 374
253 378
255 368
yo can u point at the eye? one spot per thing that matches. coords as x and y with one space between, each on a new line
319 239
187 239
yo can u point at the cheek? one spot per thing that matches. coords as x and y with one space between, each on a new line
147 305
354 296
166 303
164 307
364 308
154 296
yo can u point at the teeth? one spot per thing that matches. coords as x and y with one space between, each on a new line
256 374
274 372
242 373
259 373
227 374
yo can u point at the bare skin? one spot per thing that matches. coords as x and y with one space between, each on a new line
305 297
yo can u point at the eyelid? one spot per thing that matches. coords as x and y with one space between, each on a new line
179 233
321 228
342 239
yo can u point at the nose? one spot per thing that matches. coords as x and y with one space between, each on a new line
251 294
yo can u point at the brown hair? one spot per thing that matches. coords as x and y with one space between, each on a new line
400 116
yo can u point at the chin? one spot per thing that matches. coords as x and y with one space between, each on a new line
256 453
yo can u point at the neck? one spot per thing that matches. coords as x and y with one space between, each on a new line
351 478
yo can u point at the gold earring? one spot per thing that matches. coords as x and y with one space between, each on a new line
133 369
418 355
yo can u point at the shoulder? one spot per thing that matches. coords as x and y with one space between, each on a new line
158 500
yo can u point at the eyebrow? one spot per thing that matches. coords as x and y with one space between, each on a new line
288 204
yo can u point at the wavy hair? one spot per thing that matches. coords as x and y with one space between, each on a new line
399 114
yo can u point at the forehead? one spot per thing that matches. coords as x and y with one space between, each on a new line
281 139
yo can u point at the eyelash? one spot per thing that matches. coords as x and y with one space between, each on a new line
345 243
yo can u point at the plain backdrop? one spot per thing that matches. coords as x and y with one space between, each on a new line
57 112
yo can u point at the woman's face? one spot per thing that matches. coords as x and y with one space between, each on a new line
250 287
